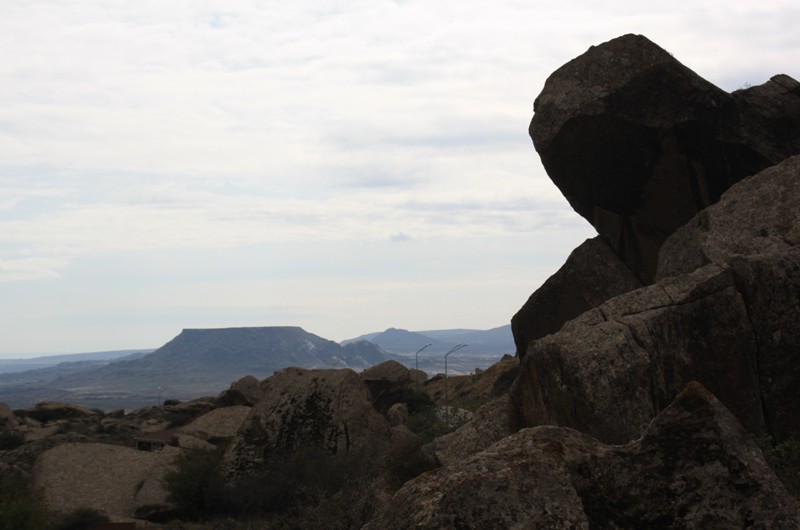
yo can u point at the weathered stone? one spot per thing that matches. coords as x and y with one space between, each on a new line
386 382
7 417
608 372
694 468
246 391
638 143
397 414
757 216
495 420
48 411
99 476
186 441
327 410
217 424
591 275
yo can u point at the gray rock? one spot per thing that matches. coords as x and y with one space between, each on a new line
217 424
694 468
733 324
397 414
103 477
638 143
591 275
495 420
757 216
328 410
246 391
48 411
611 370
7 417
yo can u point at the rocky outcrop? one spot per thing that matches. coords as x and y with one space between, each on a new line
48 411
386 382
731 324
591 275
246 391
325 410
694 468
103 477
638 143
7 417
494 421
218 424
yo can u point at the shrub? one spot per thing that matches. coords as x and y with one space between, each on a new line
784 458
80 519
20 507
195 485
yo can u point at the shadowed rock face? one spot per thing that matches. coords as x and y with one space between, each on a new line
638 143
591 275
693 468
732 324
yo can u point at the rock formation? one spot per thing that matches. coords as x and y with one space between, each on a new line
694 467
327 410
731 324
104 477
638 143
592 274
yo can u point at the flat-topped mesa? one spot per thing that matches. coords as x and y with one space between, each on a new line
638 143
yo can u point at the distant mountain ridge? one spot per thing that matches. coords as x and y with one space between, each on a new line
196 362
400 341
46 361
205 361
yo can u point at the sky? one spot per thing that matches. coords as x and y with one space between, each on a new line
341 166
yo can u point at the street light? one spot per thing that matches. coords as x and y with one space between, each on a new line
446 398
416 360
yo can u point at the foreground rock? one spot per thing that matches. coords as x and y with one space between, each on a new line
694 468
731 324
117 481
638 143
591 275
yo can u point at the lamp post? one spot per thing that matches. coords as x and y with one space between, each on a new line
416 361
446 398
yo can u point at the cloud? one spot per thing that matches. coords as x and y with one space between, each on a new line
30 269
400 237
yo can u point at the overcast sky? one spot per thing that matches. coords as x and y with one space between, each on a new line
344 166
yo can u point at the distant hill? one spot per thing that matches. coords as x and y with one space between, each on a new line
400 341
196 362
45 361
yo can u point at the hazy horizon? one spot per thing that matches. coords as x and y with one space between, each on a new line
344 168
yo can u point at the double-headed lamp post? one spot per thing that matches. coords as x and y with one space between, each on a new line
446 398
416 361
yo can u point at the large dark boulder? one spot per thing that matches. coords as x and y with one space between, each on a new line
732 324
638 143
694 468
591 275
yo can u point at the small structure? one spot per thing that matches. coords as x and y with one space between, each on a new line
154 441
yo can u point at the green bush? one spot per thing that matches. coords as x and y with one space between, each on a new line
784 458
195 485
20 507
